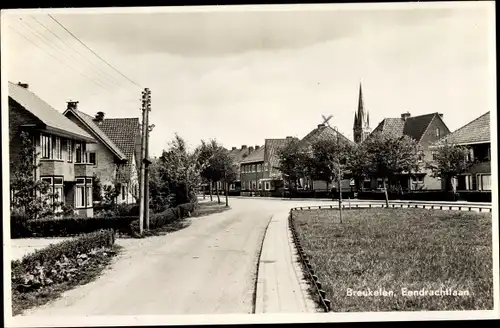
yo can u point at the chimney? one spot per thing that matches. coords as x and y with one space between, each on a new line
233 148
322 125
23 85
99 117
243 147
289 137
257 147
405 116
250 149
72 104
440 115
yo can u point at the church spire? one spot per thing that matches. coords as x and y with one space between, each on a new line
361 119
361 107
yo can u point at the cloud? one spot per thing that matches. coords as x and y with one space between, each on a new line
219 33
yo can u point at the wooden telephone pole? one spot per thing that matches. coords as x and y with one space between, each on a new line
149 128
143 190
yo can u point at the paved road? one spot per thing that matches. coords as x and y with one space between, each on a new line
209 267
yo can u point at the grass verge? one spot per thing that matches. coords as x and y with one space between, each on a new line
400 259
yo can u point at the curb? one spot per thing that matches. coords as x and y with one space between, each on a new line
313 279
257 271
465 208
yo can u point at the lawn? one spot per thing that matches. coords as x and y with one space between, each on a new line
421 260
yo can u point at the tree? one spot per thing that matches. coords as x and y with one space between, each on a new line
179 168
331 157
96 189
291 163
223 168
357 164
212 161
449 161
388 154
159 190
31 199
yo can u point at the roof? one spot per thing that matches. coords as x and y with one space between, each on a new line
476 131
98 132
413 126
54 121
238 154
271 149
123 132
255 156
324 132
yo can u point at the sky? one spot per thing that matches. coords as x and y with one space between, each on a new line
246 74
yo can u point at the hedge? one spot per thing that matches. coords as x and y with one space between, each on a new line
71 226
158 220
67 226
429 195
60 262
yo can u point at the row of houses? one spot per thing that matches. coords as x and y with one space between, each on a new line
257 164
75 149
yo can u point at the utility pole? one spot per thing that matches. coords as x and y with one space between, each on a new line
339 173
143 154
149 128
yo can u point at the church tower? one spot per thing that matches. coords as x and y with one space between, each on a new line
361 126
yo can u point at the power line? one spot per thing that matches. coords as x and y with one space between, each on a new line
50 54
81 42
38 34
104 74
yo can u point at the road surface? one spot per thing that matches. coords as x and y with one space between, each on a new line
206 268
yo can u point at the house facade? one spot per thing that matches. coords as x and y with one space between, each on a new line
114 156
238 155
475 135
60 144
425 129
252 170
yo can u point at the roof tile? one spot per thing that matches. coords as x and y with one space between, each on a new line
476 131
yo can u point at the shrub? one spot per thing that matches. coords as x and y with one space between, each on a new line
158 220
59 263
69 226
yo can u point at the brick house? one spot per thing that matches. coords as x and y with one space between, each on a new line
252 169
322 132
425 129
238 154
475 135
115 155
61 146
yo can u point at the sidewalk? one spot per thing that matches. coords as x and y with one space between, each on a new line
281 286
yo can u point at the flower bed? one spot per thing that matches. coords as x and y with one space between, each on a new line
41 276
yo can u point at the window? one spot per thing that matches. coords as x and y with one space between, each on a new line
242 185
485 182
69 150
81 155
80 193
232 186
259 168
124 192
266 167
267 185
254 185
46 145
438 133
260 185
57 150
58 191
92 158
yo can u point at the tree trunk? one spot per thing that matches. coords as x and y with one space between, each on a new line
210 190
227 189
385 193
340 198
217 190
327 186
203 192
